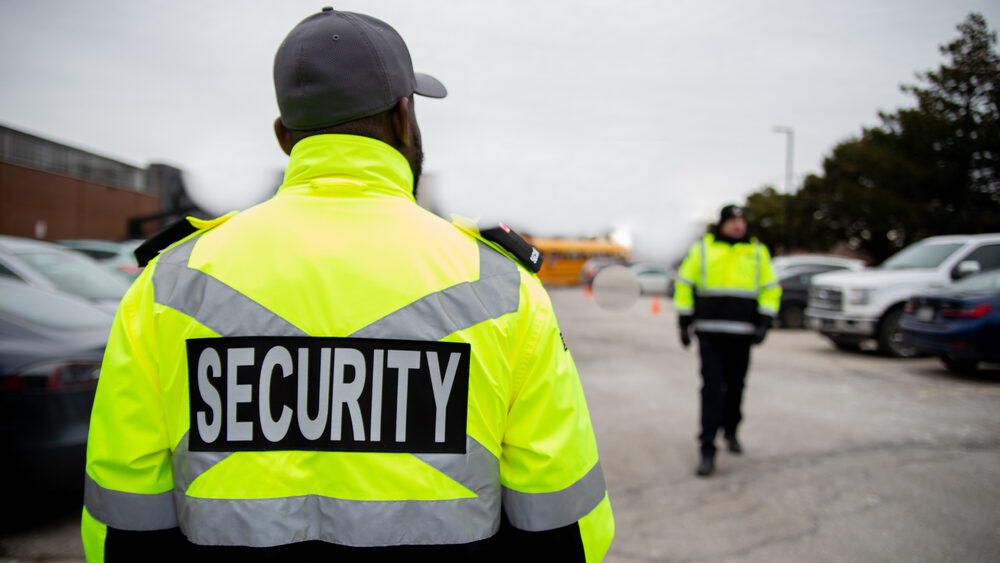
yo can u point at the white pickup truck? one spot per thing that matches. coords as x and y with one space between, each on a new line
851 307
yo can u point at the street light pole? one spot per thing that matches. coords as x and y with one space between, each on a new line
790 148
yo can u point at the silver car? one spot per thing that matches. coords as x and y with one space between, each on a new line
49 266
117 256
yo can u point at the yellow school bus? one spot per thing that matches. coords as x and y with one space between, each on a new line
564 258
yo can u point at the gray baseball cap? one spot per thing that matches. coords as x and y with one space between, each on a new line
335 67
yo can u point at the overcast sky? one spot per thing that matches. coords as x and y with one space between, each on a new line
564 117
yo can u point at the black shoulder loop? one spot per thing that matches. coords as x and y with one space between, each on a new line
512 242
156 243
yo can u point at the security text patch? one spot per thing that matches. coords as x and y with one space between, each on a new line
329 394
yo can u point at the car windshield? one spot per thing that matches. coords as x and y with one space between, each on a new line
49 309
988 282
921 256
77 275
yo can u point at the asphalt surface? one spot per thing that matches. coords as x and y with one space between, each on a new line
848 456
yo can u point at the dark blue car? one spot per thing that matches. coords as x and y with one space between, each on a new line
960 323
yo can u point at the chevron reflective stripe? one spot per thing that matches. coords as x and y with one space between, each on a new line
231 313
494 294
290 519
537 512
745 293
211 302
129 511
282 520
728 327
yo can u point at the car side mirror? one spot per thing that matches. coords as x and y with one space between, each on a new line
966 268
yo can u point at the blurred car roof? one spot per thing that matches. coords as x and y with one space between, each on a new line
117 256
50 266
780 263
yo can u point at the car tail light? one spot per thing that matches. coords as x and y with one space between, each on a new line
130 269
73 375
967 312
910 307
11 383
66 375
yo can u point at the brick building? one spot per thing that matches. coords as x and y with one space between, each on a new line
53 191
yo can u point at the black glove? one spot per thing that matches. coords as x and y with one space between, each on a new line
763 323
684 326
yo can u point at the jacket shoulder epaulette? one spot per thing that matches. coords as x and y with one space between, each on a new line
507 239
172 233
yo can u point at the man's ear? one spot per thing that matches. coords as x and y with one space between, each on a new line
284 138
400 116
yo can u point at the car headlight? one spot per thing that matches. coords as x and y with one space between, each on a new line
859 295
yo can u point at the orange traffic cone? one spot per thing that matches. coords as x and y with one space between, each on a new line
655 307
587 291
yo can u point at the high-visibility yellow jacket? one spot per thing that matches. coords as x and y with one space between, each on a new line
727 288
337 364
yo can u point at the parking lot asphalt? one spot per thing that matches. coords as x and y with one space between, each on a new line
849 456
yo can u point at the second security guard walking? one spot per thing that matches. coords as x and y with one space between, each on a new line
727 293
337 374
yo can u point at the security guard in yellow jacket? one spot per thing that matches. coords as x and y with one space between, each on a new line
337 374
727 292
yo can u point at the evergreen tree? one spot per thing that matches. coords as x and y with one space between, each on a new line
927 170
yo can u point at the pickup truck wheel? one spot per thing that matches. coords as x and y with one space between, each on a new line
890 336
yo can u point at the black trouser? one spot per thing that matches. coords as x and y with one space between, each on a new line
724 362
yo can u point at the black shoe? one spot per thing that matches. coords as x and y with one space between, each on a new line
734 445
706 467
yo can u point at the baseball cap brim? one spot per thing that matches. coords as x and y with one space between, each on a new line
429 86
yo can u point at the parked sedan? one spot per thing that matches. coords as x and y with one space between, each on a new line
50 357
50 266
960 323
117 256
794 282
785 264
654 279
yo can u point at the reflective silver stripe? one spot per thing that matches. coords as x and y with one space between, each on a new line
767 311
685 281
546 511
704 266
434 316
685 311
188 465
211 302
477 470
728 327
278 521
745 293
129 511
771 285
756 265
